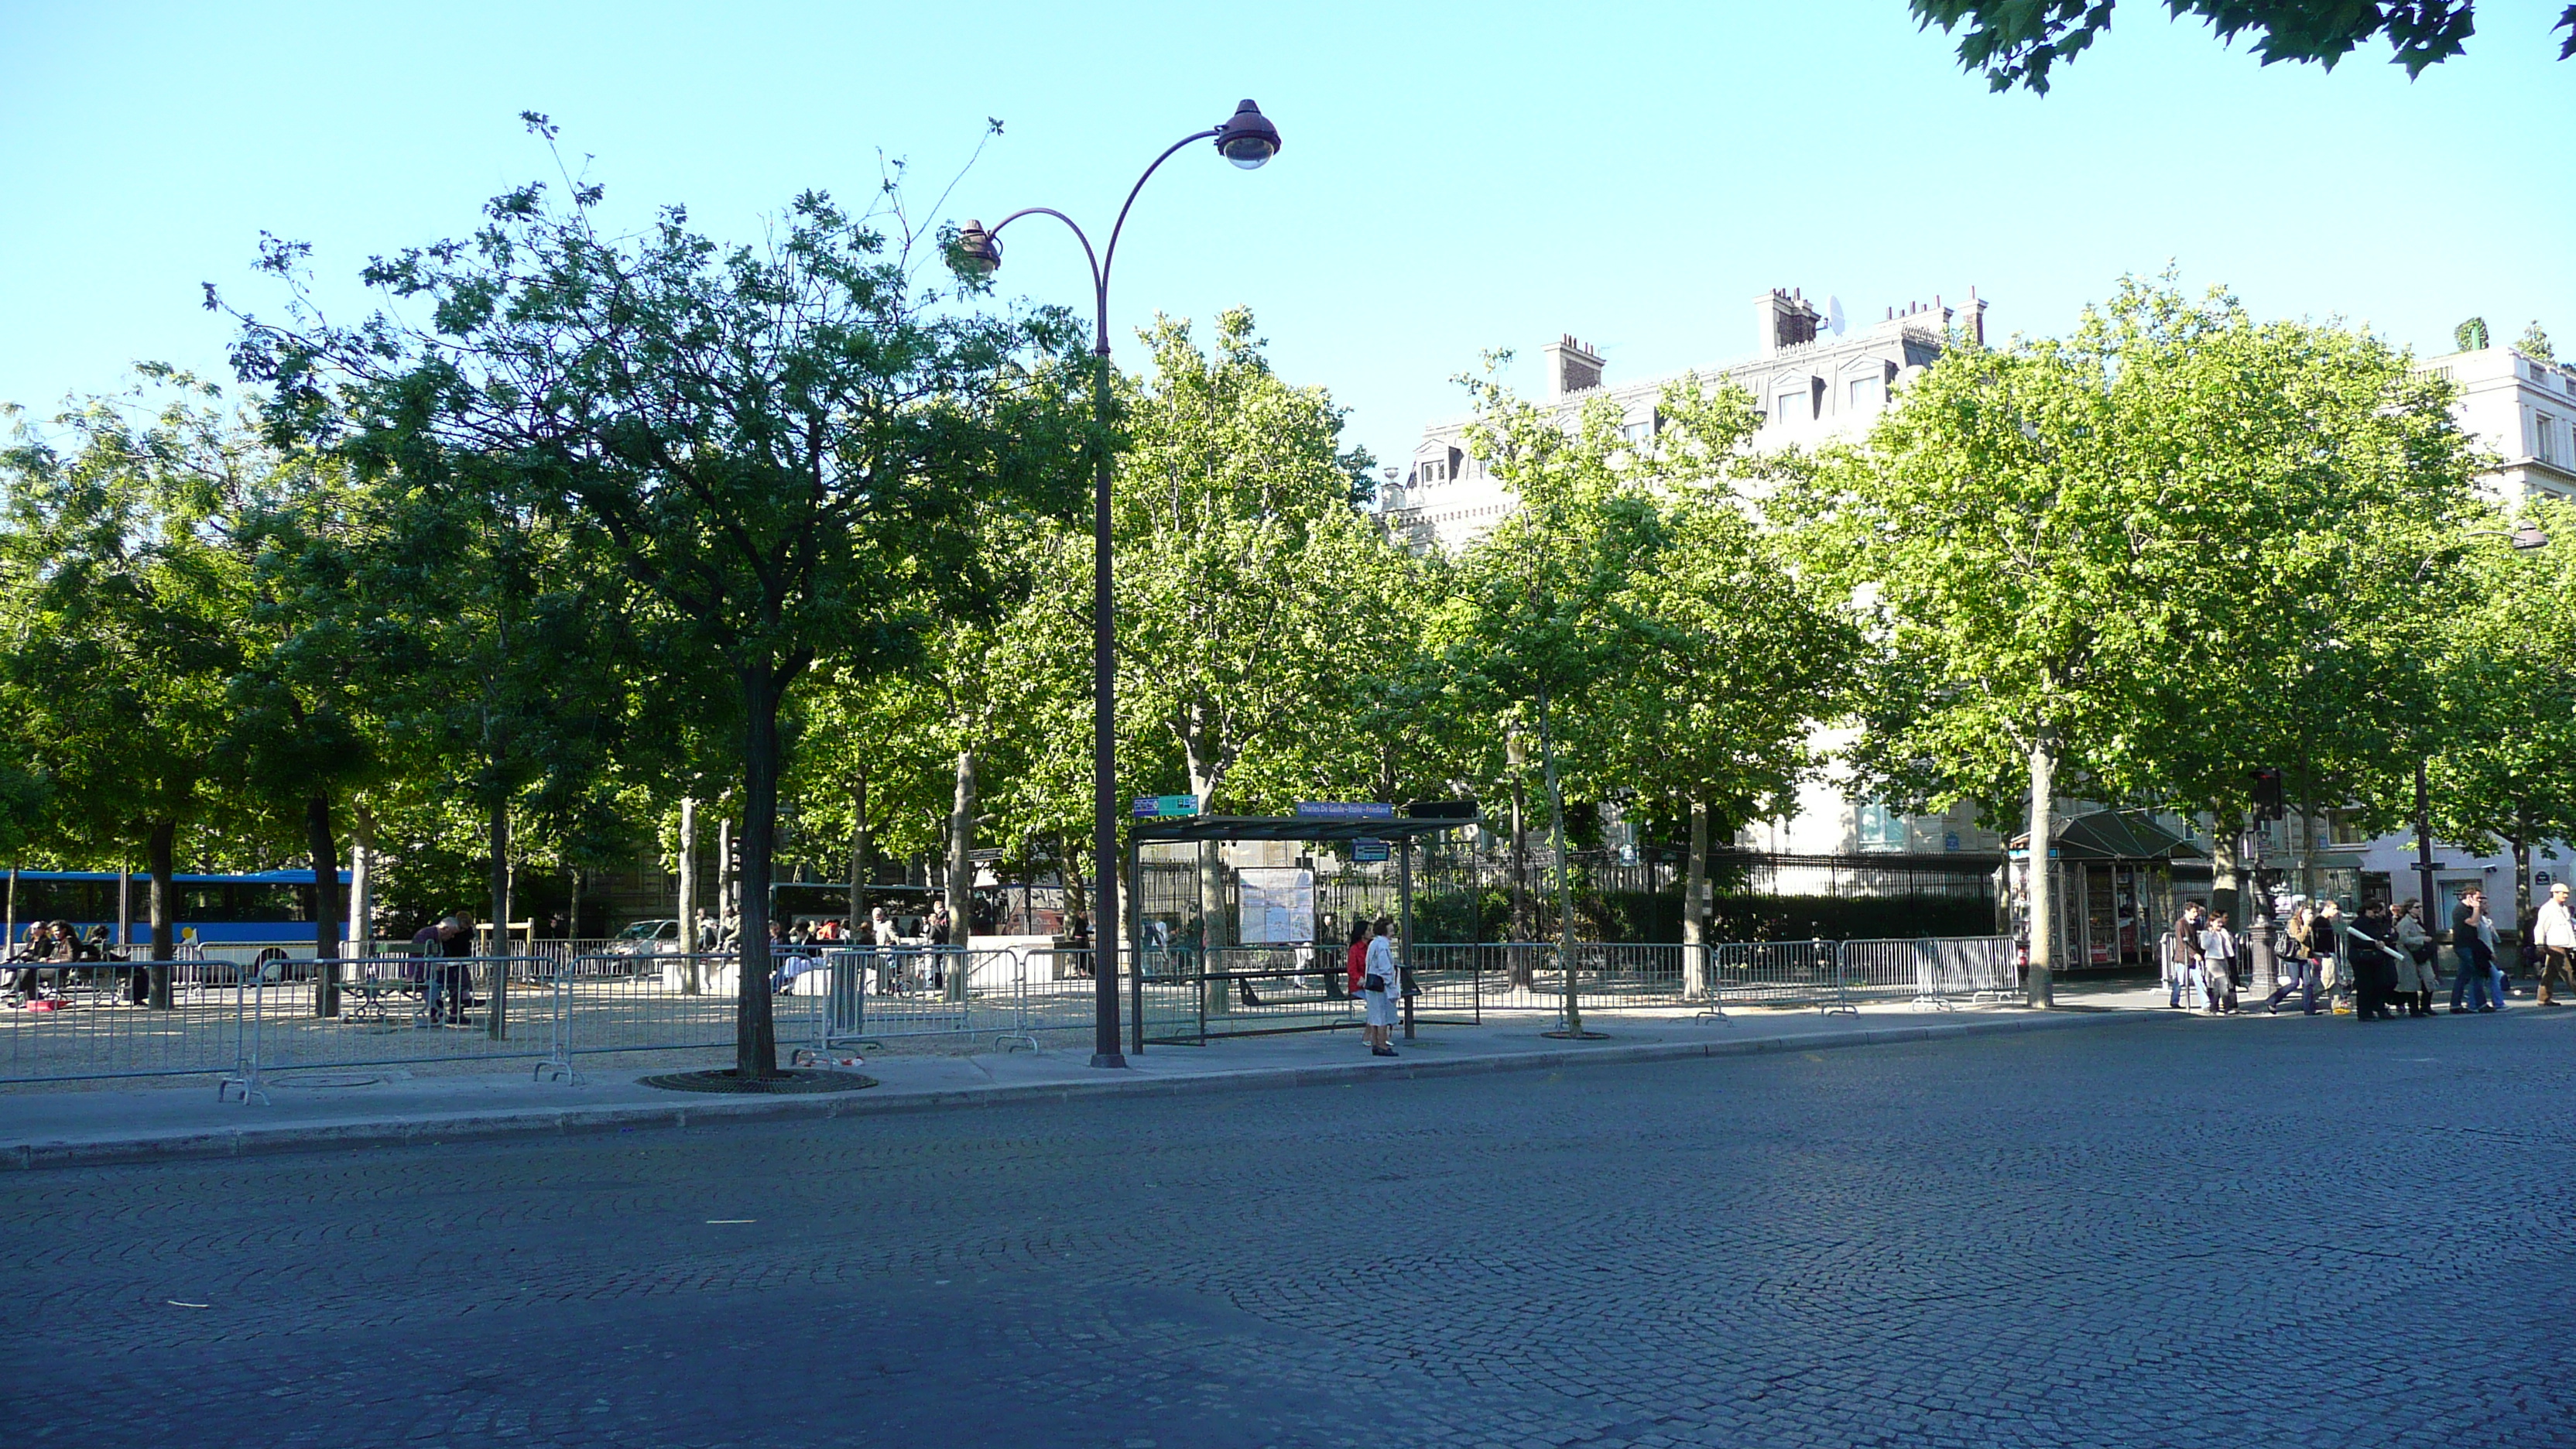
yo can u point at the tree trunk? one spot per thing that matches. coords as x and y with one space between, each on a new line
497 879
2224 880
755 1043
326 904
862 865
572 911
362 879
688 902
1573 1007
2039 986
1068 863
961 872
1696 974
158 847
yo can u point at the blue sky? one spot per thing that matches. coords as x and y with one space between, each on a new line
1455 177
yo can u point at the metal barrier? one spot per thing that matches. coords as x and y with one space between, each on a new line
907 991
239 1011
1934 972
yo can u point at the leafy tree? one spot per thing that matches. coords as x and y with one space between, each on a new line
2534 342
2142 561
2016 42
303 729
1718 662
1533 636
126 600
2508 702
778 445
1234 527
2471 335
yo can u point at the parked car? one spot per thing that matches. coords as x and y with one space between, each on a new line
645 938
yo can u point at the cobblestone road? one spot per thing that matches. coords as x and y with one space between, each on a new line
2167 1232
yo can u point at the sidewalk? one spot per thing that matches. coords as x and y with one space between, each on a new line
345 1107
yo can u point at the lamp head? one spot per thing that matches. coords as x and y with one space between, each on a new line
1247 138
2529 537
978 250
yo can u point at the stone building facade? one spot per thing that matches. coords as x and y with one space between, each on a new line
1814 379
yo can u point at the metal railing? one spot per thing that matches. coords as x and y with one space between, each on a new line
239 1012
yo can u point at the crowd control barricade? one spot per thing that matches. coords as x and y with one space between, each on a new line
868 995
81 1023
1791 974
1934 973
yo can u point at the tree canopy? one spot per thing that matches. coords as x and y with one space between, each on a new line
2018 42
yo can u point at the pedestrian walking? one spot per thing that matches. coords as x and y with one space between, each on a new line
2554 931
2334 956
2472 954
2420 976
2372 963
1378 988
2299 960
2218 964
2182 956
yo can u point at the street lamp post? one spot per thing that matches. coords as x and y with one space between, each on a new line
1248 140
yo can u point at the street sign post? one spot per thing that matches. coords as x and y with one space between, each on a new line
1346 809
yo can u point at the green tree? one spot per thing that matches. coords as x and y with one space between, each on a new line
2534 342
126 601
2142 561
1696 664
2016 42
778 445
2509 701
1233 523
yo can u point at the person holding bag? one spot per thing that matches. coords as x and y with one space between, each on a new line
1378 988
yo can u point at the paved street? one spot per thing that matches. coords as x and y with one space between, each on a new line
2168 1232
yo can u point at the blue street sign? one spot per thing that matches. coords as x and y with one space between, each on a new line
1156 807
1347 810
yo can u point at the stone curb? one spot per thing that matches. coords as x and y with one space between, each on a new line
235 1142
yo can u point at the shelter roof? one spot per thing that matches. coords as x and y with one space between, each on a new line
2117 835
1289 827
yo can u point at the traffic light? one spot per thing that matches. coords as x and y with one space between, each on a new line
2267 795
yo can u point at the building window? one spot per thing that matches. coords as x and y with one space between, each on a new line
1878 828
1864 394
2544 437
1790 405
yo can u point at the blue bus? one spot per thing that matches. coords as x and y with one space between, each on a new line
259 905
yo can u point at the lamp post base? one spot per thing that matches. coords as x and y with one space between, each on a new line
1108 1059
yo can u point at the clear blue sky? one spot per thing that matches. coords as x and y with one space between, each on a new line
1455 177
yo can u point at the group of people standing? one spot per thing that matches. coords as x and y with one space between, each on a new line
2372 966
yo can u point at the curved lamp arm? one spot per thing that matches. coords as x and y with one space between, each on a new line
1100 262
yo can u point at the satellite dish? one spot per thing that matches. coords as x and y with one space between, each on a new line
1834 315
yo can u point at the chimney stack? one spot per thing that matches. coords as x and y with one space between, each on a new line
1782 320
1572 367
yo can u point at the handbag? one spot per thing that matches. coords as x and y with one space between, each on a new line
1374 982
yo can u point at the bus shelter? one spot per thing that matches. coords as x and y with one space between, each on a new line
2114 874
1244 949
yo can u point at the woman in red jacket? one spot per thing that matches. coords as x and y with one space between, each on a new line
1358 955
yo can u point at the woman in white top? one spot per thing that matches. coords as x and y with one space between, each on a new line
2218 964
1379 989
